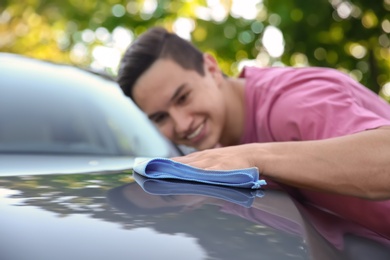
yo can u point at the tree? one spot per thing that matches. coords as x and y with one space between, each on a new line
350 36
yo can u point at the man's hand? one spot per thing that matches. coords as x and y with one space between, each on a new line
225 158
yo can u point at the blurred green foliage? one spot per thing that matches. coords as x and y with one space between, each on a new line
352 36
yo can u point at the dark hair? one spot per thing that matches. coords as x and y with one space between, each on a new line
156 43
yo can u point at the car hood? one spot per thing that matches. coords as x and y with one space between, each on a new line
118 215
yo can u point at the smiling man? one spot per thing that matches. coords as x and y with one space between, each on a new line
312 128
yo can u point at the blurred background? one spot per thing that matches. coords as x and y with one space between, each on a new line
352 36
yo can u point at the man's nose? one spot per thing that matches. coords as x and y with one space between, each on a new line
182 121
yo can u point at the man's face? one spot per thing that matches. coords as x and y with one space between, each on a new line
187 108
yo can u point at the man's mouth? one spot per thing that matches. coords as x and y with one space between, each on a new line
195 133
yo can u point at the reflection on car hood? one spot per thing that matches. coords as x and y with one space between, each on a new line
17 165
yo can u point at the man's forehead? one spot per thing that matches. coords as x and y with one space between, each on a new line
159 84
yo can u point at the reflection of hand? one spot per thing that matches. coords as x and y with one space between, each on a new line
225 158
279 203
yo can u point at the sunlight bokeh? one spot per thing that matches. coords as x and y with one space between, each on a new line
353 37
107 55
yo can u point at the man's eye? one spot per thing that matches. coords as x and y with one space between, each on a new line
159 118
183 98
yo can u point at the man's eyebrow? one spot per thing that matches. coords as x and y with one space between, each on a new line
177 93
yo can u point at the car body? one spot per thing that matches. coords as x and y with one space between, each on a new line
67 195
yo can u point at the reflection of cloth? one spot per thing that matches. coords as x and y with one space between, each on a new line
243 197
294 104
163 168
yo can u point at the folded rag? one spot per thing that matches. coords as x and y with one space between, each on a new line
165 187
164 168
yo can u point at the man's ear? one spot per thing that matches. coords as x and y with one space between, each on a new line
211 66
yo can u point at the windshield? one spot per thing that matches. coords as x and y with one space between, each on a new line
52 109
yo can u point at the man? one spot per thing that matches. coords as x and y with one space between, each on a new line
312 128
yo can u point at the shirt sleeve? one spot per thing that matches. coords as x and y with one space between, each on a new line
321 108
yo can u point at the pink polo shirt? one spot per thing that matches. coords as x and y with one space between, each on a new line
293 104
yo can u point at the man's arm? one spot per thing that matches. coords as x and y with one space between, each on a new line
357 164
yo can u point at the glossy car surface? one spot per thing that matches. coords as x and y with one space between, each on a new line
109 216
78 199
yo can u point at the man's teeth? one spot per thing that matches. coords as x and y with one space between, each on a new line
195 133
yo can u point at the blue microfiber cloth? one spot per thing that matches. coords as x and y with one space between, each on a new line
163 168
165 187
